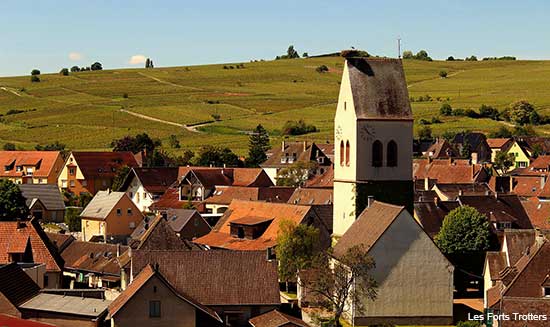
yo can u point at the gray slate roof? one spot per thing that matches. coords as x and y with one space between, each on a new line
77 305
48 194
379 89
102 204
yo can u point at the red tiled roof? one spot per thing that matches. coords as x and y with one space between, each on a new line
210 176
14 234
310 196
216 277
497 142
10 321
140 280
305 152
46 159
103 164
276 319
93 257
526 186
220 236
326 179
541 162
154 180
524 306
538 212
499 208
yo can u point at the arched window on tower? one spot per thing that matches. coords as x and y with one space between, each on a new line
342 153
391 160
347 153
377 154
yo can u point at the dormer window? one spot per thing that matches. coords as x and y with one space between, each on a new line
502 225
249 227
19 168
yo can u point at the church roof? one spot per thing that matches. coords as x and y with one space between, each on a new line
379 89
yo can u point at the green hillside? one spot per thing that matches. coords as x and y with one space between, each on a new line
87 110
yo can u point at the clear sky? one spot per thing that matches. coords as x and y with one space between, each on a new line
49 35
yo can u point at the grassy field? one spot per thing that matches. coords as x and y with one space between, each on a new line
87 110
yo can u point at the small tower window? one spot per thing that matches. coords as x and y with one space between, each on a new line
377 154
392 154
345 105
341 153
347 153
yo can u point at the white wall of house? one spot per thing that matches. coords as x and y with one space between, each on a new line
139 195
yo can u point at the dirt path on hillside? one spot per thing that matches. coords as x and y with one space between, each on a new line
435 78
10 91
192 129
170 83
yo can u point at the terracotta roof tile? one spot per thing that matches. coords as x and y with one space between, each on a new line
154 180
210 176
247 278
526 186
497 262
325 180
310 196
524 306
276 318
499 208
17 233
10 321
538 212
103 164
46 159
297 151
498 143
431 215
93 257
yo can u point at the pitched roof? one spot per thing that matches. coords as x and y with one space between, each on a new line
454 190
498 143
102 204
441 149
210 176
525 306
517 243
178 218
325 180
93 257
297 151
61 241
541 163
59 303
140 280
538 212
154 180
157 234
430 215
526 186
44 162
368 227
533 142
379 89
103 164
499 208
311 196
220 236
276 318
17 233
10 321
16 285
48 194
246 278
226 194
497 262
474 139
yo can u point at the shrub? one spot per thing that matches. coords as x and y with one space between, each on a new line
520 112
35 72
174 142
469 323
9 147
64 72
216 117
436 120
35 79
451 58
408 54
446 109
14 112
471 58
425 133
459 112
125 95
443 74
322 69
488 112
298 128
96 66
471 113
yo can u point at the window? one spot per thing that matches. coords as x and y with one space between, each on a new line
546 291
131 195
118 212
129 212
84 183
72 171
72 183
345 105
18 168
392 154
154 309
341 153
347 153
240 232
377 154
501 225
63 183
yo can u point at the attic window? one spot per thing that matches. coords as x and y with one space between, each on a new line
546 291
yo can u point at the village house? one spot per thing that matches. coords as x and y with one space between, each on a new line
247 287
427 173
415 280
150 300
538 212
157 234
25 242
253 226
516 278
44 201
110 216
309 196
146 185
474 144
276 318
499 145
223 195
441 149
188 224
90 172
31 167
16 287
291 153
324 180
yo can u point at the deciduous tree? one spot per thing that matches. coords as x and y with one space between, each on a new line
464 230
12 202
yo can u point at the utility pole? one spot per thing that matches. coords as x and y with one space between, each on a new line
399 47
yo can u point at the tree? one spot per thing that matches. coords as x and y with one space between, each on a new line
501 132
488 112
305 55
147 63
451 58
35 79
119 178
297 245
296 174
322 69
422 55
12 202
443 74
136 144
174 142
75 69
96 66
64 72
217 157
35 72
291 53
258 144
471 58
407 54
9 147
72 219
466 149
524 131
503 161
84 199
520 112
425 133
349 280
446 109
299 127
464 230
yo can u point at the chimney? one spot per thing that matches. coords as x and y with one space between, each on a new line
283 146
370 200
20 224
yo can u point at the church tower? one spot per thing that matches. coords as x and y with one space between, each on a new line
373 136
